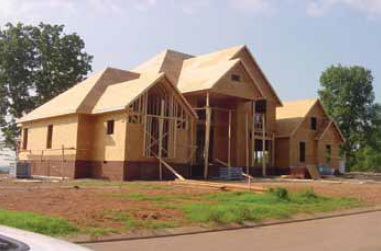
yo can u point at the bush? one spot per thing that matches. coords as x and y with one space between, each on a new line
280 192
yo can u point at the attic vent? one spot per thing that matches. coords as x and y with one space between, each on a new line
236 78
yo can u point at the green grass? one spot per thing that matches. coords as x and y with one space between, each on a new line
237 207
144 197
43 224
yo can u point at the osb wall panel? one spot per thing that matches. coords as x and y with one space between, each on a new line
255 72
85 140
304 133
282 152
243 89
64 134
135 137
109 147
331 138
243 111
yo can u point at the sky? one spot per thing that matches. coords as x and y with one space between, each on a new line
292 40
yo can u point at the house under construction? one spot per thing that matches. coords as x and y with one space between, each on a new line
192 114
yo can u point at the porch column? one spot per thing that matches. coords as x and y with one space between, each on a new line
208 114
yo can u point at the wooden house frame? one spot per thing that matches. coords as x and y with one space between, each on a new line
190 114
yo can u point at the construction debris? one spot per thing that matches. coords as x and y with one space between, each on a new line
222 186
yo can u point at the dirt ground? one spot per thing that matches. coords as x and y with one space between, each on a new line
369 193
90 205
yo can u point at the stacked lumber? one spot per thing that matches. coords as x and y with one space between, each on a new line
222 186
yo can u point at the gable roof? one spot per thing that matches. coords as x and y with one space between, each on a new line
198 77
168 61
291 116
121 95
266 85
196 73
82 97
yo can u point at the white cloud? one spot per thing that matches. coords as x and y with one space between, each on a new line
257 6
318 8
144 5
191 7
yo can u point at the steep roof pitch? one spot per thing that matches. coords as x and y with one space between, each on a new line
82 97
168 61
197 76
290 117
121 95
179 66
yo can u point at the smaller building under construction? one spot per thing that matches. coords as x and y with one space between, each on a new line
189 114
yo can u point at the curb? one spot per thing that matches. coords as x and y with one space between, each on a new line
246 225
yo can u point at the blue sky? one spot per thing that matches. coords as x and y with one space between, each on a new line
293 40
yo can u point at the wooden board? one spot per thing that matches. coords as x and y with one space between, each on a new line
314 172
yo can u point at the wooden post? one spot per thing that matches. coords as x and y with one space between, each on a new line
207 136
263 145
229 138
161 139
253 136
273 151
247 142
192 138
126 144
63 162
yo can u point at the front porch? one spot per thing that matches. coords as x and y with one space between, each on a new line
232 132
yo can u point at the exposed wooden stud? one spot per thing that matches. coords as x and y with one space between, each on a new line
247 143
253 136
161 120
207 136
229 137
263 145
273 151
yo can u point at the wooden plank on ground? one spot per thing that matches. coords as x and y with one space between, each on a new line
170 168
224 186
314 172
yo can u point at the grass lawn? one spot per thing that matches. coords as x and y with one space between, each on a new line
38 223
100 208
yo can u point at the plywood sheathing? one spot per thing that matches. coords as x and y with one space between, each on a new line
80 98
290 117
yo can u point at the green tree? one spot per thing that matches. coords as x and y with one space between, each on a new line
36 64
347 93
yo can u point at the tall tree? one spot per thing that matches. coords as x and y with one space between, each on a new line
347 93
36 64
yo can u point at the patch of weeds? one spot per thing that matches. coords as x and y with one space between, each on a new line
278 203
279 192
308 194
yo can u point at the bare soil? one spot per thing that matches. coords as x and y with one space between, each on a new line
93 205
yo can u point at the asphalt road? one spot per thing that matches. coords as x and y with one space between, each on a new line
357 232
